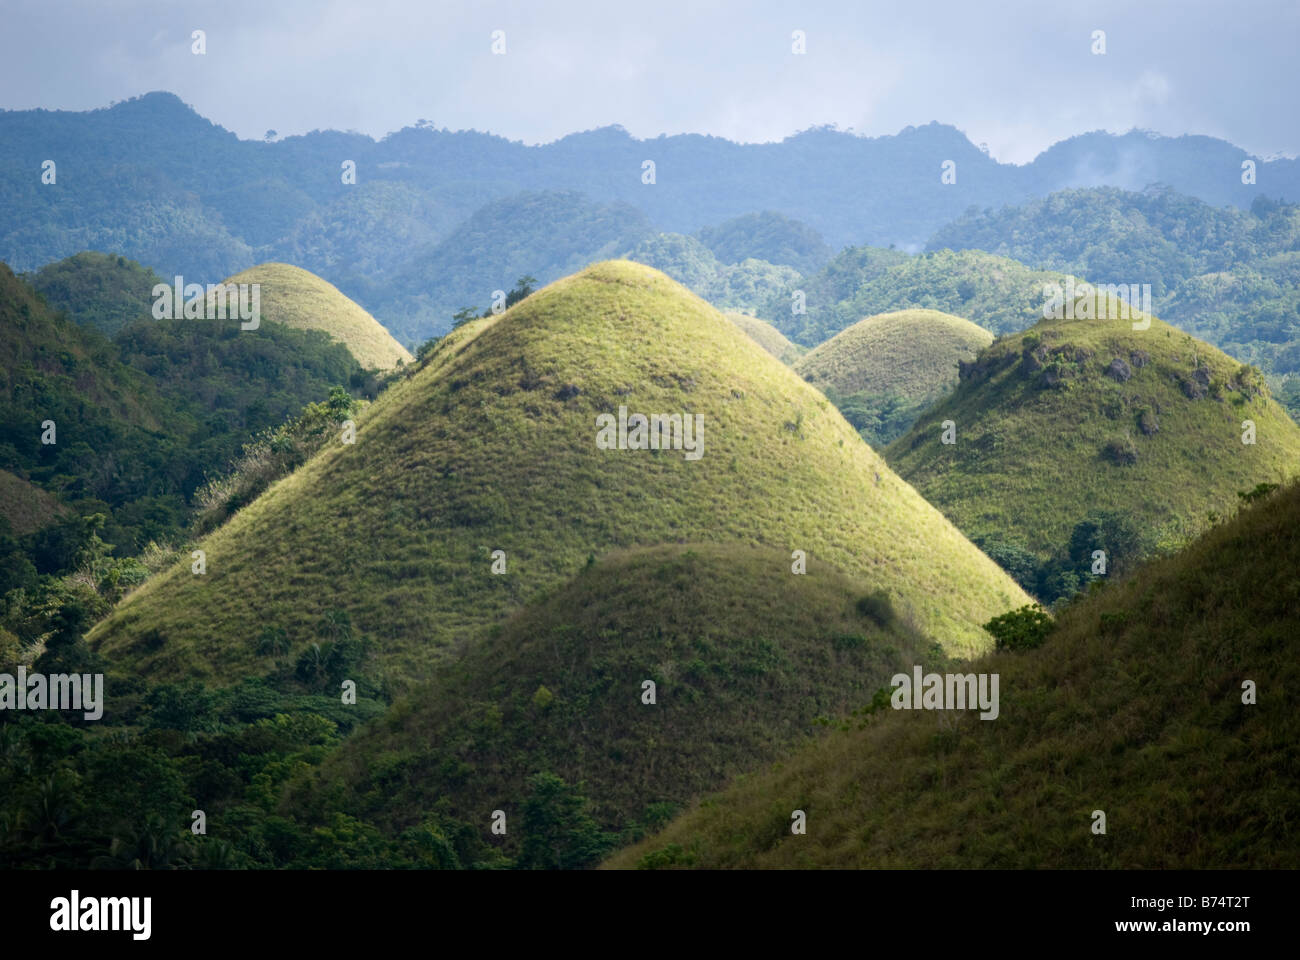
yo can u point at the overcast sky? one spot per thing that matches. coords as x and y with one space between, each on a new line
1016 74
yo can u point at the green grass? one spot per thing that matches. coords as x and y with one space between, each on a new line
767 336
744 655
883 371
1045 435
298 298
489 447
1133 707
911 353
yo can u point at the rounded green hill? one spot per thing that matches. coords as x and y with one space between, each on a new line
299 298
1080 422
883 371
912 354
718 629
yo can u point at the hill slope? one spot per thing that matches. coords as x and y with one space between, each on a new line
1133 707
558 689
492 446
766 336
24 506
297 298
108 292
1140 430
884 370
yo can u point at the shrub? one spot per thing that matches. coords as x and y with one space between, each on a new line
1261 491
879 608
272 642
543 697
1120 451
1021 629
673 855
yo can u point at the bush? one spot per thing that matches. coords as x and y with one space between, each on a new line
1022 629
1261 491
879 608
1120 451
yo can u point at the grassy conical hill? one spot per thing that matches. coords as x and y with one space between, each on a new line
1133 706
1136 434
493 446
298 298
743 657
766 336
884 370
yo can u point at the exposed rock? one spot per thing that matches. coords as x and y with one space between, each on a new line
1195 384
1119 370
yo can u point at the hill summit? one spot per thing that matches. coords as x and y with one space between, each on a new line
884 370
299 298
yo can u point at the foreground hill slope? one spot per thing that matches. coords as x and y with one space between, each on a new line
492 446
1133 707
718 628
884 370
1077 417
298 298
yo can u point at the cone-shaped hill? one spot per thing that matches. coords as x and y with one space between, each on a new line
1085 434
883 371
1133 706
767 336
496 445
299 298
743 658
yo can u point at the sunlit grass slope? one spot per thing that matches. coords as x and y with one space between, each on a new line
767 336
910 353
1132 707
492 446
883 371
299 298
742 654
1081 415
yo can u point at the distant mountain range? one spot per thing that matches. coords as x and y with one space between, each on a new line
151 179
